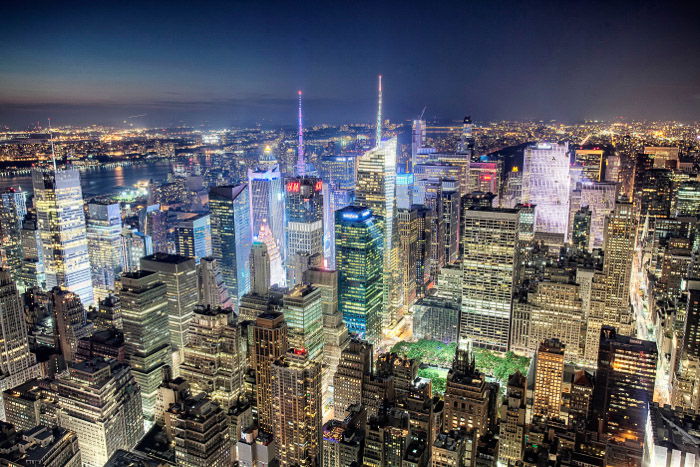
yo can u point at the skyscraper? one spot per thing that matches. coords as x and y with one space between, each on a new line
303 312
70 321
267 203
214 361
549 376
489 266
546 184
13 208
338 173
513 427
376 190
355 363
296 392
144 304
104 228
58 199
179 274
266 255
270 343
32 267
231 237
210 283
304 224
358 257
99 400
194 236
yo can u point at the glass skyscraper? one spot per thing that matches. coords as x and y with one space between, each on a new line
58 199
231 236
359 261
267 203
104 229
304 225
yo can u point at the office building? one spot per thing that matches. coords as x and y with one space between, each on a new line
591 162
513 426
267 204
193 234
358 250
231 237
408 225
296 394
355 364
214 361
303 313
581 229
671 437
304 225
200 433
32 272
546 184
13 209
40 445
145 317
58 199
436 318
111 419
269 343
489 263
135 246
70 321
104 229
210 284
549 376
179 274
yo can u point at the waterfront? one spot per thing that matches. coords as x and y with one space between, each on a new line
98 181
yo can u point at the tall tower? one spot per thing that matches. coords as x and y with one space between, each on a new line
376 190
304 226
304 315
269 343
231 237
144 304
267 203
58 199
358 258
489 241
301 162
179 274
70 321
549 376
210 284
104 229
296 392
378 135
13 208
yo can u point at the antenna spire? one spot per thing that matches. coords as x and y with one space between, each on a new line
53 153
378 136
301 164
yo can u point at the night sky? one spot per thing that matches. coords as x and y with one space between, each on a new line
234 63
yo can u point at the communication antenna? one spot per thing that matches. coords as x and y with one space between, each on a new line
53 153
378 136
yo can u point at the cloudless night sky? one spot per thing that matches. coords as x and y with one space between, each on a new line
230 63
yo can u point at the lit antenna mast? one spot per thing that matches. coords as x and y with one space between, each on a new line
53 153
301 165
378 136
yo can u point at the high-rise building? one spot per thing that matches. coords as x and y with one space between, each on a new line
581 228
231 237
17 363
436 318
58 199
338 173
343 440
99 400
688 199
214 362
513 427
376 190
144 305
358 250
200 433
210 283
408 225
591 161
259 269
277 273
549 377
135 246
104 229
653 188
40 445
304 224
70 321
303 312
32 272
296 394
267 204
194 236
624 388
546 184
489 264
269 343
599 198
13 208
355 364
179 274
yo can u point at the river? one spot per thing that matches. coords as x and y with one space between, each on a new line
98 181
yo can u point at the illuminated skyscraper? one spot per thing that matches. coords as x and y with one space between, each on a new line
549 376
179 274
599 197
688 199
296 392
355 364
376 190
489 266
214 362
267 203
512 426
144 304
546 184
135 246
99 400
303 313
408 226
269 343
70 321
194 237
266 254
591 160
17 363
581 228
58 199
358 257
13 208
304 224
32 268
104 228
339 173
200 433
210 283
231 235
